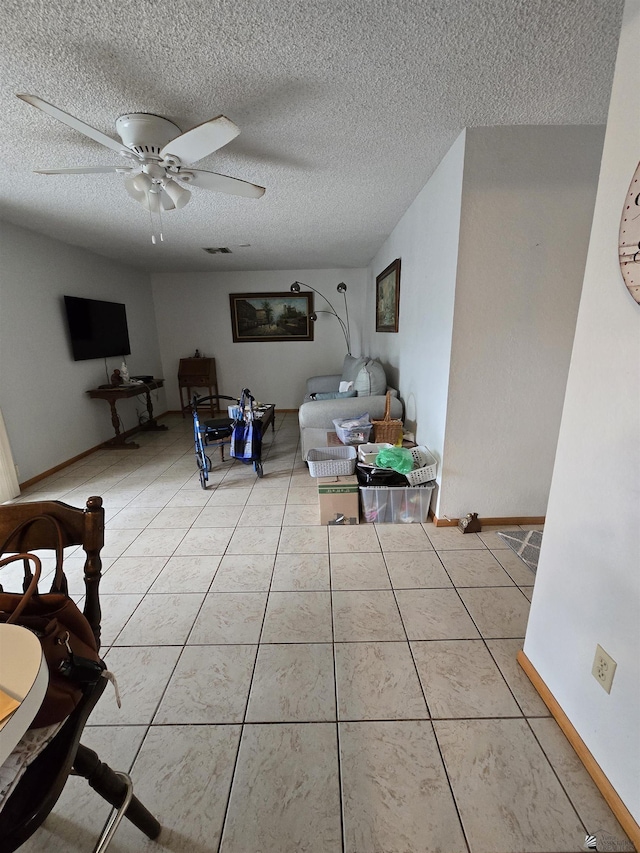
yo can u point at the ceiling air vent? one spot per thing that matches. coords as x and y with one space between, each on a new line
220 250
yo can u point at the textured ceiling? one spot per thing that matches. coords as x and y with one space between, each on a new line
345 108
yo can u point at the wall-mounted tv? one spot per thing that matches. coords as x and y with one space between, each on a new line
97 329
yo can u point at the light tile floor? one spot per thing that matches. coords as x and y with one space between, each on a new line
292 688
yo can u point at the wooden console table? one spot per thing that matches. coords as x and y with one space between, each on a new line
113 393
197 373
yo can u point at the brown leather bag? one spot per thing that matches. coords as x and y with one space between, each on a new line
68 643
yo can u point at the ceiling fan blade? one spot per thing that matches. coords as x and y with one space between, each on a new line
223 184
201 140
75 123
85 170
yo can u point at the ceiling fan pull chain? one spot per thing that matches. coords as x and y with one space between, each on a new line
153 236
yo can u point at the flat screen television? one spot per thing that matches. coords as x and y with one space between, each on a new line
97 329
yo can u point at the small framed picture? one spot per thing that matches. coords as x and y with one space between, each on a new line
388 298
271 316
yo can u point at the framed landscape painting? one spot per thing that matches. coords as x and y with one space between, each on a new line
271 316
388 298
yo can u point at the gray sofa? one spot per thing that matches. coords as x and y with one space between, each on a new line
370 386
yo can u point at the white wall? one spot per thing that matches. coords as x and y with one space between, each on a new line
588 584
527 203
48 416
488 303
192 311
426 241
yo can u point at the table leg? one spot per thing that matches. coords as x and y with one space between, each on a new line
119 439
270 418
152 425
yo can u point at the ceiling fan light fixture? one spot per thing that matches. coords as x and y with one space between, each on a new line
154 202
142 182
139 195
167 203
178 195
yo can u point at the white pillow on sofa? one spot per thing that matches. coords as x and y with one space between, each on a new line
371 380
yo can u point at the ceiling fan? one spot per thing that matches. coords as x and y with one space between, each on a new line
157 156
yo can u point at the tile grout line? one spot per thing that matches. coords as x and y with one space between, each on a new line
337 707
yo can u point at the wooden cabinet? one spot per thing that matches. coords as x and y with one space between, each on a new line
197 373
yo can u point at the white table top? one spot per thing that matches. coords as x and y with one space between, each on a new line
24 676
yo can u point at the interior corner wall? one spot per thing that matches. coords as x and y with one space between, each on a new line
193 312
527 203
48 415
417 358
587 587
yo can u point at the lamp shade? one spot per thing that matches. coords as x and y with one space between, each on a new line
142 182
180 196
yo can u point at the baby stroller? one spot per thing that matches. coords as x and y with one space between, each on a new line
242 433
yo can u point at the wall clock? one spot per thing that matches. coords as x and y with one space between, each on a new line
629 243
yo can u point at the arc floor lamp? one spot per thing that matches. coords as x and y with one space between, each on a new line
341 288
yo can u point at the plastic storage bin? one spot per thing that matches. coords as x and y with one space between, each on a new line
376 503
357 435
396 504
331 461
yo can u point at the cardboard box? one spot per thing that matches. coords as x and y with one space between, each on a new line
338 500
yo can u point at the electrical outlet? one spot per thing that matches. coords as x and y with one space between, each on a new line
604 668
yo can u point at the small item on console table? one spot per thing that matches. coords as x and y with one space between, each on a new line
470 523
116 378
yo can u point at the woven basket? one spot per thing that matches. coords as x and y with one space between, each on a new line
388 429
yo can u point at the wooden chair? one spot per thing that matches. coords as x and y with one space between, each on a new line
42 783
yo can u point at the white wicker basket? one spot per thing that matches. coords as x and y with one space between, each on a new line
331 461
426 466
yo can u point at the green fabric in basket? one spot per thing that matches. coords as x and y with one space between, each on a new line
398 458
